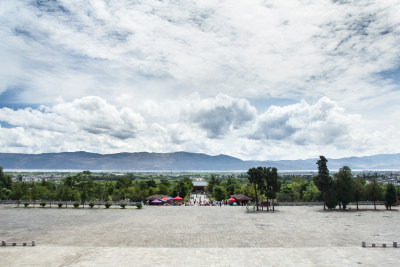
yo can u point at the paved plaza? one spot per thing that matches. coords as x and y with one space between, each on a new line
198 236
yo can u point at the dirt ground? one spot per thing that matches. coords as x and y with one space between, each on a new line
198 236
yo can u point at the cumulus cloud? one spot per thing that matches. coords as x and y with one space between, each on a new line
221 114
179 75
322 123
90 119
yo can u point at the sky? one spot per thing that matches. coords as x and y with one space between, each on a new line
257 80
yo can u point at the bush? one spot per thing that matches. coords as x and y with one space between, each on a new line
91 205
139 205
123 205
42 204
76 204
60 205
284 197
331 199
108 205
26 204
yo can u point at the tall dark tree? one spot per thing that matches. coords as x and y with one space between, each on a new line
213 181
5 179
374 191
359 190
390 196
344 186
323 180
256 178
331 198
272 185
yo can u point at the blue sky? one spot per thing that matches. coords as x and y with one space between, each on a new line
262 80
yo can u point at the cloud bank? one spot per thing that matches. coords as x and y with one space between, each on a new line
284 79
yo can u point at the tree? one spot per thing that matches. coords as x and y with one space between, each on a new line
311 193
359 190
323 181
213 181
255 177
183 187
272 185
219 193
151 183
164 186
5 184
331 198
231 186
344 185
390 196
374 191
123 183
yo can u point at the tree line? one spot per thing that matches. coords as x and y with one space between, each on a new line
262 183
341 188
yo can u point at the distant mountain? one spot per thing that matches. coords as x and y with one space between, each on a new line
179 161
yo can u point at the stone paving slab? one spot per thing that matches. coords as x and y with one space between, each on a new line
197 236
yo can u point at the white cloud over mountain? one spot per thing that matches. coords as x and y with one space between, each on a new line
110 76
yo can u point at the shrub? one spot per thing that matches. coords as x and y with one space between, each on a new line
26 204
107 205
42 204
284 197
91 205
76 204
331 199
139 205
123 205
60 205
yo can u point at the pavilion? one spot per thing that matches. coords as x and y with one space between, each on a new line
241 199
198 187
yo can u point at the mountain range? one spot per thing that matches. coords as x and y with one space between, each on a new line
179 161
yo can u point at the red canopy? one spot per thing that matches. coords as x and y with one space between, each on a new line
177 198
232 199
165 198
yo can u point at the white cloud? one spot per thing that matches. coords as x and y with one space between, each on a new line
185 69
294 131
221 114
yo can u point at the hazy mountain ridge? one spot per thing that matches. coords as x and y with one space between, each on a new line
179 161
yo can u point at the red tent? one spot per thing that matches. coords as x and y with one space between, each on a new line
232 199
165 198
177 198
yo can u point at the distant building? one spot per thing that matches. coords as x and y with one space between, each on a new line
199 187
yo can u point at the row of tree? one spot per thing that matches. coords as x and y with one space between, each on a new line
81 187
342 188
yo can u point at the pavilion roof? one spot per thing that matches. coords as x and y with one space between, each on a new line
199 183
153 197
241 197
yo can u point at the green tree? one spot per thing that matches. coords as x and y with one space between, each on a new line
311 193
123 183
6 185
213 181
390 196
231 186
183 187
256 179
374 191
323 180
151 183
219 193
271 183
359 190
344 185
331 198
164 186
